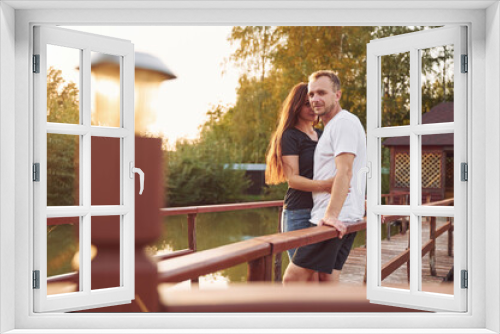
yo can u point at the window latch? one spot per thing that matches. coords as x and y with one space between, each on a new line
133 170
365 170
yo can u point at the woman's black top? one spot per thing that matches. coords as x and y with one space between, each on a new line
296 142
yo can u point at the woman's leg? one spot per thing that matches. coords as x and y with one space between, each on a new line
296 220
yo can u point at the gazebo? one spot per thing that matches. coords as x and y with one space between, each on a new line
437 158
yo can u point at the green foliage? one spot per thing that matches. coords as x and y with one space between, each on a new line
275 192
62 170
63 104
274 64
62 150
274 59
198 173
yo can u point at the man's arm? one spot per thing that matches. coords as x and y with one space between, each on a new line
340 188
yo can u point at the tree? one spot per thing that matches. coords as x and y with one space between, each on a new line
256 45
200 172
274 59
63 106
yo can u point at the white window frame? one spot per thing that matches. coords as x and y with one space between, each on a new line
413 43
85 43
483 20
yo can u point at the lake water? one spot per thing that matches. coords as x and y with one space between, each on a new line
222 228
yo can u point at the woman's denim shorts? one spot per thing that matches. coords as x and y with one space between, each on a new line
296 220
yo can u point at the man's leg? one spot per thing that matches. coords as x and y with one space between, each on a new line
341 255
334 277
314 277
294 273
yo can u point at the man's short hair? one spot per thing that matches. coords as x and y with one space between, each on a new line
327 73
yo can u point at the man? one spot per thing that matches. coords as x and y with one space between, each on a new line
341 152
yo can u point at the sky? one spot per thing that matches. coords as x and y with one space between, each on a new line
196 55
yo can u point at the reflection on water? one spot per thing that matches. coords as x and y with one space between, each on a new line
218 229
222 228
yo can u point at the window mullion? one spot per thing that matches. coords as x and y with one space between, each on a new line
415 162
85 236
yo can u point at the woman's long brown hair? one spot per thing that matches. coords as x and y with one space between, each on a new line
289 113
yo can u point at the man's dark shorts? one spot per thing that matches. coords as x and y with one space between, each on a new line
326 255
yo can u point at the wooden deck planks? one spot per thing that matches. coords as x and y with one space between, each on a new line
354 268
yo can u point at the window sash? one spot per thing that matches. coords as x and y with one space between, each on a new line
413 298
86 298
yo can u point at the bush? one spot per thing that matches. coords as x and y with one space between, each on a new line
198 175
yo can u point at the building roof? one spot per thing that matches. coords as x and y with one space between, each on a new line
247 167
143 61
440 113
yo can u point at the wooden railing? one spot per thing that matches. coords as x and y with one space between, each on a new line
430 246
192 212
258 252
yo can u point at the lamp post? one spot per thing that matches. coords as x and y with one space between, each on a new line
150 72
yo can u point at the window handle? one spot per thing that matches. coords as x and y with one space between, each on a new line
141 175
361 172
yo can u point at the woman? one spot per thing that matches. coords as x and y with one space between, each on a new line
291 156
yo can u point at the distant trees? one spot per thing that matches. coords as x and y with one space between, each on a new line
200 172
274 59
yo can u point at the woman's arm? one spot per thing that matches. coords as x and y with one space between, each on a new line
295 181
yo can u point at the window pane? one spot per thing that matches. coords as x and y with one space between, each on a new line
437 167
395 85
105 269
105 87
437 262
106 171
63 84
62 255
395 253
437 84
63 170
395 170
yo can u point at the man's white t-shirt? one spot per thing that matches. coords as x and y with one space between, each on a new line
343 134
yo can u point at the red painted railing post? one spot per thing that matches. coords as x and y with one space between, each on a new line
450 237
192 231
404 221
277 259
408 262
106 229
260 269
192 237
432 253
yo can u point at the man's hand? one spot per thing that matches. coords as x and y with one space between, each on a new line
334 222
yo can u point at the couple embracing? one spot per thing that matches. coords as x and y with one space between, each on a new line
319 168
